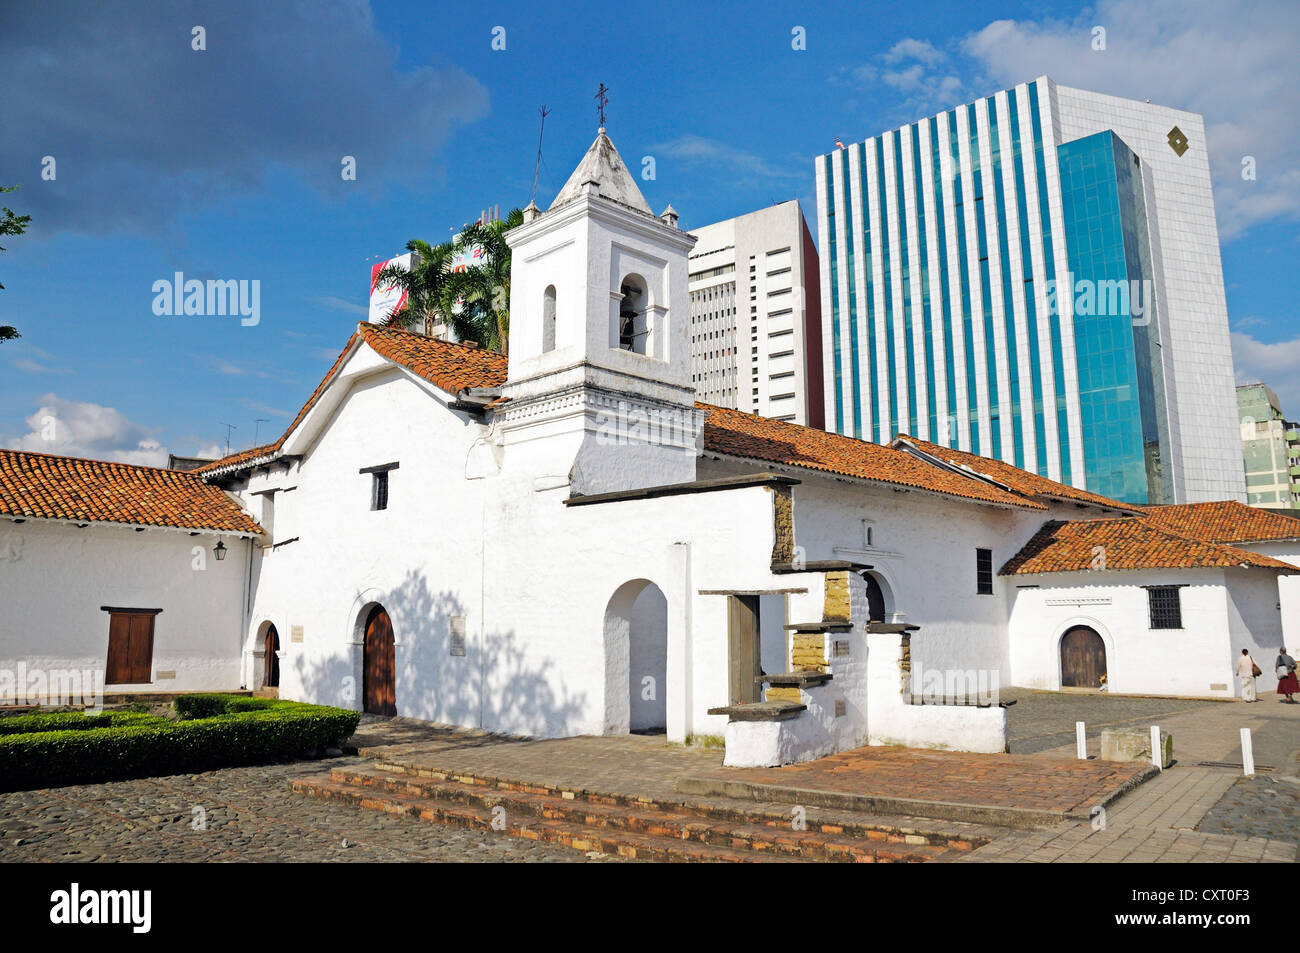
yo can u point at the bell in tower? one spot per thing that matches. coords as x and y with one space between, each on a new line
599 386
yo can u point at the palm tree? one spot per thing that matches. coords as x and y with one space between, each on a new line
11 224
483 289
425 284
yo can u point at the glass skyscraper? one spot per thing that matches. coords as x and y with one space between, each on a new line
1035 277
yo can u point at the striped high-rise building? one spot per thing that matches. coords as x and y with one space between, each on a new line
1035 277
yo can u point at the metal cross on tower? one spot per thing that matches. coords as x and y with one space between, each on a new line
601 100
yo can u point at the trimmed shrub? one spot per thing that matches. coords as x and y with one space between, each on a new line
281 730
53 721
206 706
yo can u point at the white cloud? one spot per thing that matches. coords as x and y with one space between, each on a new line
1233 63
921 77
84 429
1273 364
693 149
33 367
910 48
340 304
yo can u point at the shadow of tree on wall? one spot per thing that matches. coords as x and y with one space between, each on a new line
523 695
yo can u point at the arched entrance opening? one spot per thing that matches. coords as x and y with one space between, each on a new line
636 659
1083 658
378 665
880 598
270 657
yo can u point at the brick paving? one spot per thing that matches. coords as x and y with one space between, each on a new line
1199 811
990 780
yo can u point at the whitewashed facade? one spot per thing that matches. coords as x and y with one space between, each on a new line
561 548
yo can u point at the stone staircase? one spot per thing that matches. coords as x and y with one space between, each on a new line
630 827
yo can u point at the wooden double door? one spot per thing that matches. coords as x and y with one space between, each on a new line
1083 658
379 668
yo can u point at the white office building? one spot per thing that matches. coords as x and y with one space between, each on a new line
943 246
756 316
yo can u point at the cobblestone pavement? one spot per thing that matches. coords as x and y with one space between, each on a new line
250 816
1264 806
1040 721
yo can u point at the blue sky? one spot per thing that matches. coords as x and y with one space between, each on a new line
225 163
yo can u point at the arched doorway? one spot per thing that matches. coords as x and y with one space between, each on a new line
1083 658
875 600
270 657
636 659
378 666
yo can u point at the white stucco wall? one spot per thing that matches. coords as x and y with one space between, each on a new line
1195 660
1288 589
54 577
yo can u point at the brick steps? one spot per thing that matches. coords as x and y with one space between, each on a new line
612 824
896 830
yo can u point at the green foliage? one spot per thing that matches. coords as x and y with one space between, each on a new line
56 721
144 745
425 284
206 706
10 224
484 290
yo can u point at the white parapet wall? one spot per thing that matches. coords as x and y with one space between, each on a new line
864 704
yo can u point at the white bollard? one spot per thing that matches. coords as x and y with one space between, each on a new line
1156 753
1081 740
1247 754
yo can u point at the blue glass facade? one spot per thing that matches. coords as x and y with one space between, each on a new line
1121 386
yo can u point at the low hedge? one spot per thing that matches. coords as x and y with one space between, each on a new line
70 721
280 730
56 721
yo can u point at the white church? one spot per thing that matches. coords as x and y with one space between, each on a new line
568 543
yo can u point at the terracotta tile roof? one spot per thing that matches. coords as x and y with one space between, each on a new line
1021 481
1129 543
45 486
739 434
449 366
452 367
1226 521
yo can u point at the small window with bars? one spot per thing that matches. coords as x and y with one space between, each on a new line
1165 605
984 572
379 491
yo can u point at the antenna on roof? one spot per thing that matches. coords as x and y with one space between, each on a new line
538 168
256 426
229 427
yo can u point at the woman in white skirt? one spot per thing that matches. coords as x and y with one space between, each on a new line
1246 671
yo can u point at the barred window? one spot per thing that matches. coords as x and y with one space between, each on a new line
984 572
379 492
1166 607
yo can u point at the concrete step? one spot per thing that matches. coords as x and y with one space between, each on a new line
671 828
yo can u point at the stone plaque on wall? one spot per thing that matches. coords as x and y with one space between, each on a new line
295 633
458 635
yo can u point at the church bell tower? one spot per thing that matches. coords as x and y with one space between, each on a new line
599 387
